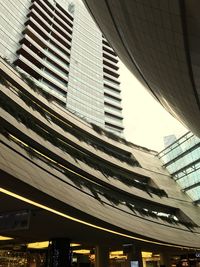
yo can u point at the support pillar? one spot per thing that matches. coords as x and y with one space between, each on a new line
59 253
165 259
101 256
134 255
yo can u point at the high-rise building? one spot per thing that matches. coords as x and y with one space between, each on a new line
65 181
169 139
60 46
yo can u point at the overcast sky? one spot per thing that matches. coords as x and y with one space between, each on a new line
146 122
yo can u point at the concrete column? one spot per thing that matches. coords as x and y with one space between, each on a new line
33 260
165 259
59 254
101 256
134 255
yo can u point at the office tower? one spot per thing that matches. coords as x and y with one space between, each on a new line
59 44
65 182
169 139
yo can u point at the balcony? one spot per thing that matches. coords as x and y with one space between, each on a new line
114 112
112 94
109 50
55 20
108 77
33 26
50 28
111 85
42 46
37 73
110 71
112 123
110 64
63 20
47 35
107 47
45 63
111 58
113 103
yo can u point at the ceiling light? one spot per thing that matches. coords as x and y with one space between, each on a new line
38 245
3 238
146 254
75 245
113 253
82 251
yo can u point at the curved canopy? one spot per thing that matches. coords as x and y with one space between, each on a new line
159 42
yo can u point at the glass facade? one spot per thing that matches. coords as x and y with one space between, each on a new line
85 94
12 18
59 45
182 159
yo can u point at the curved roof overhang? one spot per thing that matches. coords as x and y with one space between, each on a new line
157 41
37 174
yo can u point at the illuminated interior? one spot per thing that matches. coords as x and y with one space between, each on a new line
82 251
117 255
66 216
38 245
45 244
146 254
4 238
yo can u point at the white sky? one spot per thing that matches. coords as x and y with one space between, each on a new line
146 122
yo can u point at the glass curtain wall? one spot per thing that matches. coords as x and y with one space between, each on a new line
182 159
